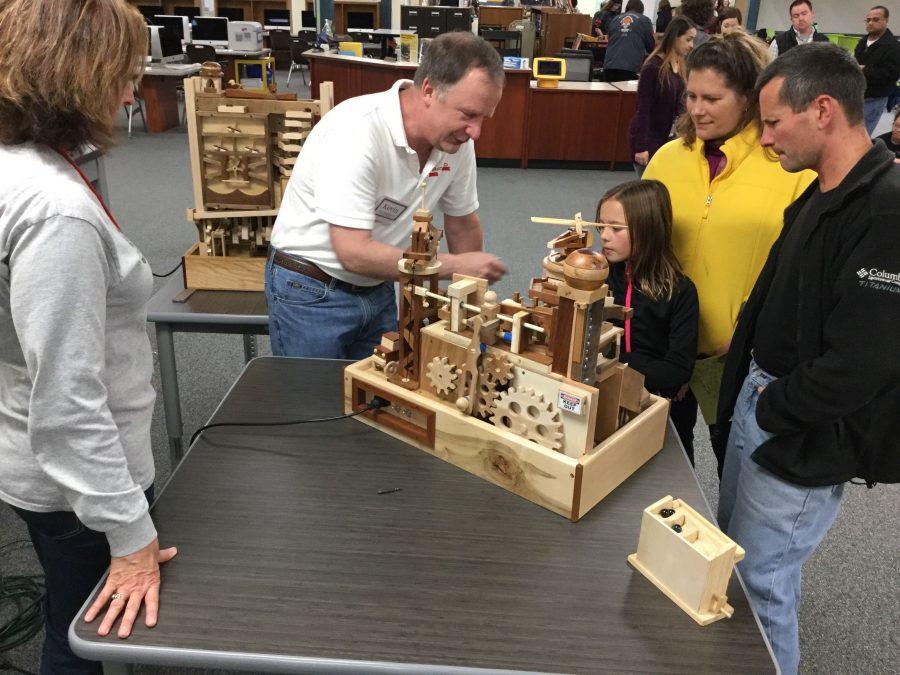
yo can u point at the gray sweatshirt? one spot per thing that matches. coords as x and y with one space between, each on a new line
75 363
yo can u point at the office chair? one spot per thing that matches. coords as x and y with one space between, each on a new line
280 42
501 39
200 53
298 46
129 109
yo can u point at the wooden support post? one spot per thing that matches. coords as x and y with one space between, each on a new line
459 292
519 339
562 336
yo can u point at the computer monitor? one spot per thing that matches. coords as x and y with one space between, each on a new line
149 11
180 24
189 12
308 18
231 13
210 30
277 18
361 20
164 44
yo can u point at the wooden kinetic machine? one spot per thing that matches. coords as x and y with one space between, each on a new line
243 146
528 394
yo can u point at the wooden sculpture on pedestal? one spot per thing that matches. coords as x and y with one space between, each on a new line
528 395
243 146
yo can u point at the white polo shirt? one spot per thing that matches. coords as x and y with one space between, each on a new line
357 170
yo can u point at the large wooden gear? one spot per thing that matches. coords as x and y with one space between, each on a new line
526 413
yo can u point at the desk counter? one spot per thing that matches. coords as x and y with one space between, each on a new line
289 559
579 121
502 137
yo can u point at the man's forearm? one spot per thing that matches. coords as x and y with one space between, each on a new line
376 259
464 233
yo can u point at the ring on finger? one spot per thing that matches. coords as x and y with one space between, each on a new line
116 596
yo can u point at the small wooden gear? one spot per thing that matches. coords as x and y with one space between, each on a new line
497 367
526 413
442 375
485 398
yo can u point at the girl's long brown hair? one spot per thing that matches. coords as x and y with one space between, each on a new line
648 213
672 64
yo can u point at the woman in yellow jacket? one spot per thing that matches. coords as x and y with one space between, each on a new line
728 198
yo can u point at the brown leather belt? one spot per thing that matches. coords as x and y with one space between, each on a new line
306 268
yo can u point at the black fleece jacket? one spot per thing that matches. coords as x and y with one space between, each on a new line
882 64
837 415
663 333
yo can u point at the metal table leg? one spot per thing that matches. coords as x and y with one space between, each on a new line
171 399
250 350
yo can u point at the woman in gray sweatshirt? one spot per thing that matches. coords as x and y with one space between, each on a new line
75 362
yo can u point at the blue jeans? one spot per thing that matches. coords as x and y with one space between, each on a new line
73 558
873 109
310 318
779 524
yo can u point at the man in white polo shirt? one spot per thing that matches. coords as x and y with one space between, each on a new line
346 216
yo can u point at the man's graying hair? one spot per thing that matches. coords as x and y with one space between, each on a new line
815 69
451 55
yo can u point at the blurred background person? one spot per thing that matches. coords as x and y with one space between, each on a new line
604 16
631 38
892 138
730 20
703 14
878 54
663 16
802 30
728 198
660 93
76 399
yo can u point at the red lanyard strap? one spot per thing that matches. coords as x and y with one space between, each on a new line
91 187
628 305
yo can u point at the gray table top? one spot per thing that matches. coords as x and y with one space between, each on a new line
207 307
290 561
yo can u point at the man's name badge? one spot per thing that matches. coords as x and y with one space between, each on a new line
389 209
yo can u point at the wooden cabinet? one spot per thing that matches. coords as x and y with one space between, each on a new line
344 10
553 26
498 17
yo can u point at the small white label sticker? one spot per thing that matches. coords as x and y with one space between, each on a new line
389 209
570 402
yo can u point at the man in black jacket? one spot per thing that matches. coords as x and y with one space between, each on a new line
878 53
812 383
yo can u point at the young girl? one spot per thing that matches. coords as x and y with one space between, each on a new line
660 339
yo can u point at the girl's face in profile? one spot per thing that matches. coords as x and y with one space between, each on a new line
616 240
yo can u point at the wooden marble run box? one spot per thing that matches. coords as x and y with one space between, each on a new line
569 486
527 393
687 558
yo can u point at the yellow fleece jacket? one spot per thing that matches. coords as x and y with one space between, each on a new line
722 231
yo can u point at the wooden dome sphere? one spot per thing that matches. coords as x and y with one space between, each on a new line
585 269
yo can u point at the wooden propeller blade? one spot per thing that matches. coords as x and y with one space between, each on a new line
571 223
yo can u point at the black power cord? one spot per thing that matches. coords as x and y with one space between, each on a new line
375 404
170 272
26 594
